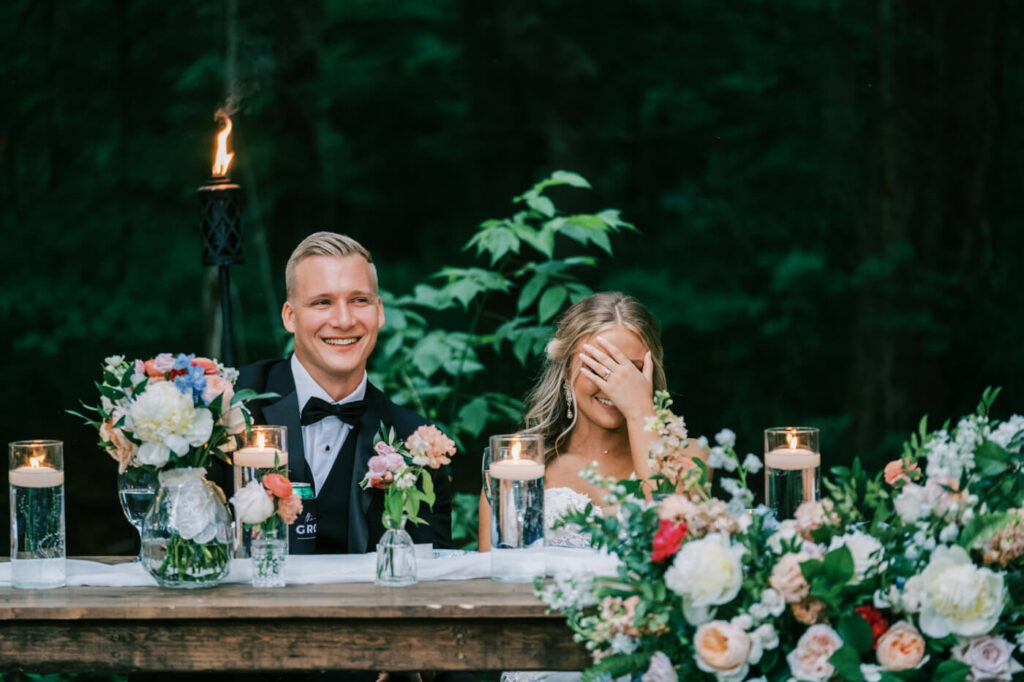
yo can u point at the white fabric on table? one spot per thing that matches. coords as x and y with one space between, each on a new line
336 568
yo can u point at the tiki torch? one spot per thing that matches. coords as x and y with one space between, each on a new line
220 222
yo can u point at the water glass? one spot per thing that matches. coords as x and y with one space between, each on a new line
38 545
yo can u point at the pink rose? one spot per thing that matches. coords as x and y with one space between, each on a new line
382 448
219 386
809 660
160 365
722 648
788 580
901 647
385 463
140 367
989 657
208 365
289 508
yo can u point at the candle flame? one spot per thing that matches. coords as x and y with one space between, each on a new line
223 158
261 441
514 450
35 462
792 440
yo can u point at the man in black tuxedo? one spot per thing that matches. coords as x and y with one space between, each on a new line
332 412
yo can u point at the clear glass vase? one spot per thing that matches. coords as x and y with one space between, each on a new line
186 535
396 557
268 548
136 490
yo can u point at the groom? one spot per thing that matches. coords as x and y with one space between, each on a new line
332 412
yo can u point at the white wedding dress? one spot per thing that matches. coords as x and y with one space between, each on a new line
557 501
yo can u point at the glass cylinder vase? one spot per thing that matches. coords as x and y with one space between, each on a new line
262 450
396 557
36 487
792 460
186 535
268 548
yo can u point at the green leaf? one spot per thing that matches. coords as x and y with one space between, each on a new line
497 241
530 291
982 526
542 205
473 416
856 632
551 302
570 178
991 459
431 353
952 671
846 661
839 565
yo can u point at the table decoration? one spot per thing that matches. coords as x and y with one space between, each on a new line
915 573
264 509
513 471
262 450
396 469
170 414
136 490
36 487
792 461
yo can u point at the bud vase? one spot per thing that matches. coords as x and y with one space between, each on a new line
186 534
268 548
396 556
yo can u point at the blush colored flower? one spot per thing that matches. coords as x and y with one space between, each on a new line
788 580
160 365
218 386
896 471
120 448
289 508
809 660
875 619
809 610
990 658
667 540
901 647
279 486
429 447
208 365
723 649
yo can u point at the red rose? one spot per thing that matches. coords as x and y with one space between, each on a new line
667 540
874 617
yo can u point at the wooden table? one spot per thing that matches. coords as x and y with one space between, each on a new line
448 625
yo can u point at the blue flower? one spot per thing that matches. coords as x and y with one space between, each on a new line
192 382
183 361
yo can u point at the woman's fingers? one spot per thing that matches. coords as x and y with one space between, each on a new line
613 351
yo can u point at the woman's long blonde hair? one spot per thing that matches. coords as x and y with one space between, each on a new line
547 405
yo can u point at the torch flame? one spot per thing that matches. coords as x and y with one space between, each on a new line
514 450
35 462
792 440
223 158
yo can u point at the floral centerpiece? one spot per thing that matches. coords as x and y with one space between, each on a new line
916 573
401 470
266 507
171 414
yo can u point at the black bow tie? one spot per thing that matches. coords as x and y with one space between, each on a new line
316 409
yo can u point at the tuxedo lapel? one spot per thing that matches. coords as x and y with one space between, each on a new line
359 499
285 412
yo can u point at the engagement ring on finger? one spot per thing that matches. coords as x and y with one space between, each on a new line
607 373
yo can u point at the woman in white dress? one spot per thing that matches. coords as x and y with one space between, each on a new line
591 403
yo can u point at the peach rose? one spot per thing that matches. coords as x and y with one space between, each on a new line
219 386
289 508
208 365
901 647
809 660
722 648
120 448
430 447
809 610
895 471
278 485
786 578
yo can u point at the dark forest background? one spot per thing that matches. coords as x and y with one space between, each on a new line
827 192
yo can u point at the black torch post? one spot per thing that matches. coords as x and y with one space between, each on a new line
220 222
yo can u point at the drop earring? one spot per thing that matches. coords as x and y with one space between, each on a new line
568 399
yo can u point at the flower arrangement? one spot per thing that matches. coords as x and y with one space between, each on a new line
398 466
916 573
170 414
265 508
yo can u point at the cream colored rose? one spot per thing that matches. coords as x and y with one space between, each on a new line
901 647
808 662
252 503
955 596
160 413
723 649
705 573
990 658
786 578
234 419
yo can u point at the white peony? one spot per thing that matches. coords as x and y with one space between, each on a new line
155 454
252 503
705 573
162 414
955 596
867 552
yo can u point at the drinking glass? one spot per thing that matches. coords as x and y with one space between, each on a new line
136 489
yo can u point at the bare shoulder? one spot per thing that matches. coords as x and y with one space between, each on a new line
564 470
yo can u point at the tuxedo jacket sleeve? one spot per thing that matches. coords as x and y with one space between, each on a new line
365 507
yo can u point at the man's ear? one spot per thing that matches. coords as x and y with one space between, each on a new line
380 309
288 317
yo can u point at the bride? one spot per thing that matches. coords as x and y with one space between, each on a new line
591 403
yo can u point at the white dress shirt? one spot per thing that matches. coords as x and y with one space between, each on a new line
322 441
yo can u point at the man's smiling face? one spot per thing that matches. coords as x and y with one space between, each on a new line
335 313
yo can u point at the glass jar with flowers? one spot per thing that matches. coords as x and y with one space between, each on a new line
265 508
400 469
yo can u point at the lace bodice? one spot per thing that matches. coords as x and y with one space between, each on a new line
558 501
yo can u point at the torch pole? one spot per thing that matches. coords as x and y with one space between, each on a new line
227 346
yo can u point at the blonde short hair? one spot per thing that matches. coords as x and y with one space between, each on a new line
325 244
